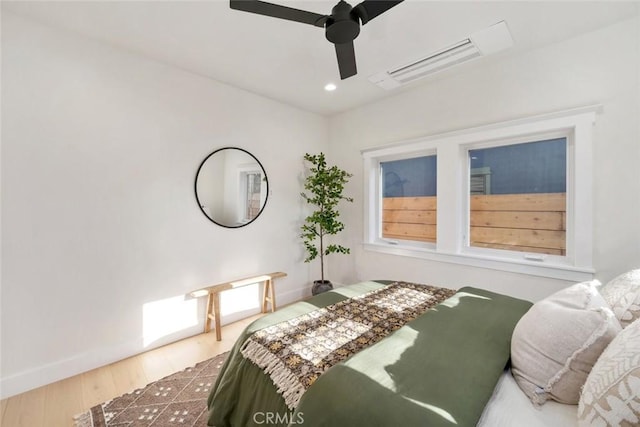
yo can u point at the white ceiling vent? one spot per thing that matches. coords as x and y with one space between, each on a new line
482 43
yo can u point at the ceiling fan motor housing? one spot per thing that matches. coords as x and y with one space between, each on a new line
343 26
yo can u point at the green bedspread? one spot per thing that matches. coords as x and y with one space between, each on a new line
438 370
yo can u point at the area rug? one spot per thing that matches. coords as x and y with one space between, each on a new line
179 399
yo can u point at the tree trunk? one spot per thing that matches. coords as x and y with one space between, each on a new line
321 256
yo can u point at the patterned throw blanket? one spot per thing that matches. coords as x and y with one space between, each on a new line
294 353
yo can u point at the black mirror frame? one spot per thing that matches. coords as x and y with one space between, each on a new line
195 188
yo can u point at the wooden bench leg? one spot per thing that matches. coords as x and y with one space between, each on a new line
207 315
268 296
272 290
216 315
265 295
213 313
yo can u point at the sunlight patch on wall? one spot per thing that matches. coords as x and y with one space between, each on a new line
240 299
167 316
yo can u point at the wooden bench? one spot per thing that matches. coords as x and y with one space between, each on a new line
213 293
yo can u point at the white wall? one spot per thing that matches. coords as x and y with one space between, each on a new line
101 229
602 67
101 233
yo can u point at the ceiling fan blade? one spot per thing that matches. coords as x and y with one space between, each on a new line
346 59
278 11
369 9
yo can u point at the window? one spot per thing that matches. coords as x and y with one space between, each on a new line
510 196
518 197
409 199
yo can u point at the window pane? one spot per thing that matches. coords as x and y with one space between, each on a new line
409 199
518 197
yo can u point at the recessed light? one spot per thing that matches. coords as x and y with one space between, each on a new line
330 87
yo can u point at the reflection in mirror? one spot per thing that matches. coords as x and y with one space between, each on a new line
231 187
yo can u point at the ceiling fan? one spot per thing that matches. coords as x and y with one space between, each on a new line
341 27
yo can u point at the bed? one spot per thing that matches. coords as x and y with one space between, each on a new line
446 367
509 406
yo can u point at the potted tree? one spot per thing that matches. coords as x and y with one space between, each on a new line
325 185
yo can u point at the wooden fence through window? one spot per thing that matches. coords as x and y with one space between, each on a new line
533 222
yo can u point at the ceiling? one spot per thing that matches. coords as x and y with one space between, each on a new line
292 62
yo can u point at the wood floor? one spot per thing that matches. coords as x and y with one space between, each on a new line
54 405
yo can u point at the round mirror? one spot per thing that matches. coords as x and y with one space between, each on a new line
231 187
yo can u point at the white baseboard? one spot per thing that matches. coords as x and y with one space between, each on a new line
77 364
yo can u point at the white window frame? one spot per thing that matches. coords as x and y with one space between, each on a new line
452 150
514 255
377 236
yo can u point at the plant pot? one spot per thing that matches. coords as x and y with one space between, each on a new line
320 286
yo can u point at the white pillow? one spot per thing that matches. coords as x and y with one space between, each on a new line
557 342
623 296
611 395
